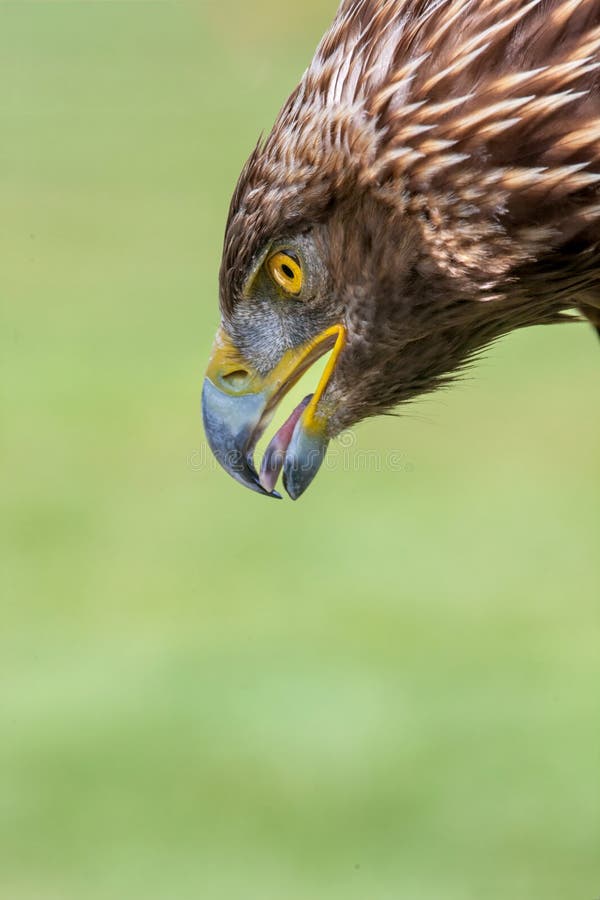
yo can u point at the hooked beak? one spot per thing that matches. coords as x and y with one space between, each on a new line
238 404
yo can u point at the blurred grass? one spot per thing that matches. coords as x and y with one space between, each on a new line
389 689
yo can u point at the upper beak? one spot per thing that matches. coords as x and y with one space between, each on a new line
238 404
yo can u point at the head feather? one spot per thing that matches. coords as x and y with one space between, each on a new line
480 117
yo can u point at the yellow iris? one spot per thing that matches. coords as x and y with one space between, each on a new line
286 272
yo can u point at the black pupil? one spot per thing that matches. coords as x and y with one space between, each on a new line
287 271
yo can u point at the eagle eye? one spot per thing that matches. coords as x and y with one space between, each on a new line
286 272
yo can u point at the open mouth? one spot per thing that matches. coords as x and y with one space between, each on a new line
238 405
274 456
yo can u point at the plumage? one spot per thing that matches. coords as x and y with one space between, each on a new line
442 157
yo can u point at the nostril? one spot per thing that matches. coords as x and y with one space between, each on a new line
236 380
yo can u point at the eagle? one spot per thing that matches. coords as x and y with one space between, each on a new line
431 184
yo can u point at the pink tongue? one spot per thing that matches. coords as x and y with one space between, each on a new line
274 457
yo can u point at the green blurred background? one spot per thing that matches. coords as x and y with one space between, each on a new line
387 690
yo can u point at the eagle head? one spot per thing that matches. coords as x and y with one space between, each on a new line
419 195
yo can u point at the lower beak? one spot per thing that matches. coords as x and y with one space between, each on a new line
238 404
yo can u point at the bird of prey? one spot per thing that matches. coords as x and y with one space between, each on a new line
431 184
